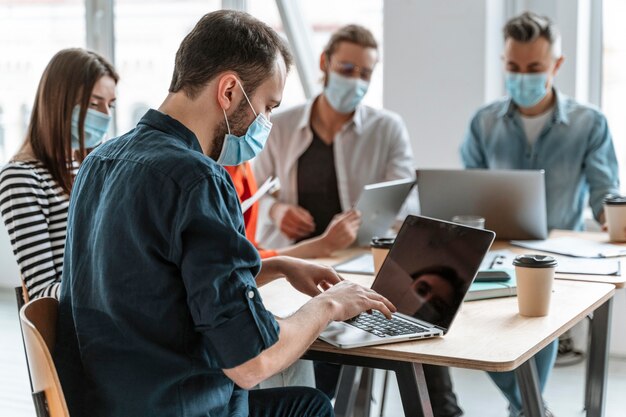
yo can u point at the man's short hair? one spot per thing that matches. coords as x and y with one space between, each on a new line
227 40
529 26
356 34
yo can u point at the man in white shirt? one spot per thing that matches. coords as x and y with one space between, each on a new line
326 150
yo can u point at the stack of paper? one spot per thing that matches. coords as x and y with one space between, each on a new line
573 246
565 264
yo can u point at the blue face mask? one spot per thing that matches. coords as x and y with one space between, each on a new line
239 149
96 126
344 93
526 90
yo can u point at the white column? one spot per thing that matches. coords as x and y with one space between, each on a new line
100 27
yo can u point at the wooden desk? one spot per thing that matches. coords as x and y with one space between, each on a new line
487 335
600 324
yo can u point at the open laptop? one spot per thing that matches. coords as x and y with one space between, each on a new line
513 202
426 275
379 205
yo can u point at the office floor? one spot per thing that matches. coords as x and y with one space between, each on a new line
477 395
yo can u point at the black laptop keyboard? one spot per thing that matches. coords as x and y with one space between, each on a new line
378 325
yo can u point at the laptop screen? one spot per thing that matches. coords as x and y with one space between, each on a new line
513 202
430 268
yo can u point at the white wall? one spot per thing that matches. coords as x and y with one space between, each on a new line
442 61
437 72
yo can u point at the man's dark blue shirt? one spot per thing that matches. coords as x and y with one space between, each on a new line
158 292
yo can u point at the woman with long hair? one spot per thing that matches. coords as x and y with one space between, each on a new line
70 116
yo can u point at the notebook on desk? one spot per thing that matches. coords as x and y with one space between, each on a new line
426 274
486 290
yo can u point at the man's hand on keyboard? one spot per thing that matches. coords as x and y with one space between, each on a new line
348 299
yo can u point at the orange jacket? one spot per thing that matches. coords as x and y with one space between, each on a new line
246 186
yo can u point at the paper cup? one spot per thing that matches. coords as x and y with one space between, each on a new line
615 214
535 275
380 248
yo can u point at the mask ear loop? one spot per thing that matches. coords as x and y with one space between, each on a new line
227 125
247 99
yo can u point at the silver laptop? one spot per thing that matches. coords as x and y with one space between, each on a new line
513 202
426 275
379 205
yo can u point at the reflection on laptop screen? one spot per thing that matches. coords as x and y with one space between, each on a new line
430 268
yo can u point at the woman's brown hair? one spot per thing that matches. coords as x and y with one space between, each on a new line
67 81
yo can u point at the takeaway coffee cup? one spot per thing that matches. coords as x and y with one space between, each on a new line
535 275
380 248
470 220
615 214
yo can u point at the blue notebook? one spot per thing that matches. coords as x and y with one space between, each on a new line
485 290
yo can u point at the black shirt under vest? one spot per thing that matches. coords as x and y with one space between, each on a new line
318 191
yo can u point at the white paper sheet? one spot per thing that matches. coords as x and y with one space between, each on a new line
565 265
361 264
572 246
263 189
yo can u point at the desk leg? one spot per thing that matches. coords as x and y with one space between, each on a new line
588 363
597 366
347 388
363 401
411 381
529 387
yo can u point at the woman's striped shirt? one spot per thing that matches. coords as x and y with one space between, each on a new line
34 210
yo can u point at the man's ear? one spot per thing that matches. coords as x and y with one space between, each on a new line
557 65
323 62
227 90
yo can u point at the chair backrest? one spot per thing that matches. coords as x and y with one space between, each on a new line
38 319
21 300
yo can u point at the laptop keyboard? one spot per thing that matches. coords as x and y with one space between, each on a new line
378 325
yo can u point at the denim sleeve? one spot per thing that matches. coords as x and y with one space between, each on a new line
218 266
600 165
472 152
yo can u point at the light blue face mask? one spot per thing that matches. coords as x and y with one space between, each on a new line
344 93
96 126
239 149
526 90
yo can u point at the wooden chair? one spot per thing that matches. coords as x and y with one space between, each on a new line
38 319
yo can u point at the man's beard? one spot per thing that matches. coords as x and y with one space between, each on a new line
238 127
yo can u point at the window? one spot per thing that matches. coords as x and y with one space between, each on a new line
368 13
147 36
2 152
30 34
266 11
614 78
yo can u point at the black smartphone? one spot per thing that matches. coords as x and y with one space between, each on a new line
492 276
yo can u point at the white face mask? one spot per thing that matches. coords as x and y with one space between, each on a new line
96 126
239 149
343 93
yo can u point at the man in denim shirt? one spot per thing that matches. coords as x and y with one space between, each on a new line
159 311
537 127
